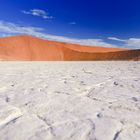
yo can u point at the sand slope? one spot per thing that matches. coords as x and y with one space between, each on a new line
32 48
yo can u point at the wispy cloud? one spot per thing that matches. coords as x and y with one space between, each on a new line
8 28
38 12
72 23
116 39
133 42
129 43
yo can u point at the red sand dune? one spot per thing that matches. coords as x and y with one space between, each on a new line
36 49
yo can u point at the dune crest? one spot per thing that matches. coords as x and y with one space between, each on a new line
36 49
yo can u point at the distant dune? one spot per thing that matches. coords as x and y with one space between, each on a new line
36 49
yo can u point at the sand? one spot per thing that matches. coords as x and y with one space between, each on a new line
36 49
70 100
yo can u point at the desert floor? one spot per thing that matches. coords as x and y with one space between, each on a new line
70 100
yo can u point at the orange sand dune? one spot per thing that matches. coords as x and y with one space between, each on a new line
36 49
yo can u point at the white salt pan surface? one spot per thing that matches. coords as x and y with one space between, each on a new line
69 100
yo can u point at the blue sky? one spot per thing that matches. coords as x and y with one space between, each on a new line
111 23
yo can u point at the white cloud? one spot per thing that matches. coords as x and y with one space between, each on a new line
116 39
128 43
8 27
11 28
133 42
38 12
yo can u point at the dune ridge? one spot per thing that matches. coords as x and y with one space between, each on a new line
29 48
